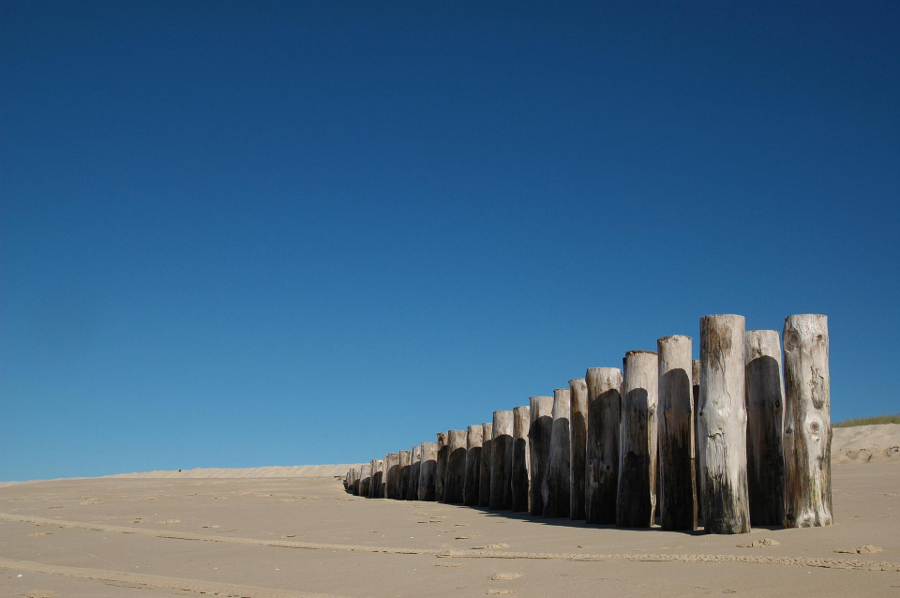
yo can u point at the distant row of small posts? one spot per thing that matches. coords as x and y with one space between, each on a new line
730 440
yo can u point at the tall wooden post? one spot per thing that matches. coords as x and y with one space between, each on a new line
455 473
376 488
415 465
474 440
391 475
365 477
636 495
487 456
439 474
501 460
539 446
558 483
765 427
604 416
807 425
403 476
577 492
427 471
698 479
520 473
723 425
677 492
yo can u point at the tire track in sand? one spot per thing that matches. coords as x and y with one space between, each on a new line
146 581
826 563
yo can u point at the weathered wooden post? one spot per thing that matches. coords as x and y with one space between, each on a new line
455 472
501 460
698 480
376 489
604 417
392 475
765 427
723 425
578 452
439 472
474 439
365 477
539 447
427 471
487 456
415 465
677 492
403 477
556 502
636 494
807 425
520 468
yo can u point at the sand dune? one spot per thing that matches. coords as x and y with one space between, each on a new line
866 444
291 471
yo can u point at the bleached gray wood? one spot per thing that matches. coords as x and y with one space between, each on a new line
455 473
392 475
487 456
558 472
440 472
376 489
602 462
520 468
723 425
427 471
578 394
677 492
415 465
636 495
807 425
541 411
474 440
765 427
403 476
501 460
365 477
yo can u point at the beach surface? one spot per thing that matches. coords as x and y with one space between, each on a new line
294 532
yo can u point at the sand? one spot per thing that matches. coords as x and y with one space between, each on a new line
201 534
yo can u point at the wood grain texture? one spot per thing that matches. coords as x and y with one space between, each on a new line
520 471
636 495
427 471
558 482
501 460
602 461
455 472
723 425
807 422
484 482
439 473
541 413
578 394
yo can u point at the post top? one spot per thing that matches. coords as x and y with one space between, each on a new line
639 352
673 337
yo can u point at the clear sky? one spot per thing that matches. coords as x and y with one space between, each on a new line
260 233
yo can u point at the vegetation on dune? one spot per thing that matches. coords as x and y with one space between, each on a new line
868 421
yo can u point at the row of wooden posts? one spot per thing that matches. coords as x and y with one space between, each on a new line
727 440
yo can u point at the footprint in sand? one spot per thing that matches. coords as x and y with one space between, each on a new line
37 534
211 526
505 576
867 549
760 543
169 521
287 536
491 546
495 592
41 594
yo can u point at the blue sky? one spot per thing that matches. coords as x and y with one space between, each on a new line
239 234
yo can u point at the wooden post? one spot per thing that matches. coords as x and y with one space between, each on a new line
365 478
677 492
765 427
539 446
439 472
501 460
376 489
578 452
392 475
484 481
455 472
403 477
807 424
604 416
520 468
723 425
698 480
415 465
556 503
427 471
636 494
474 440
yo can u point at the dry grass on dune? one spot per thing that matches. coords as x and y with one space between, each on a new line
869 421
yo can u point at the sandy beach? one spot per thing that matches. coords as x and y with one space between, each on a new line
274 533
